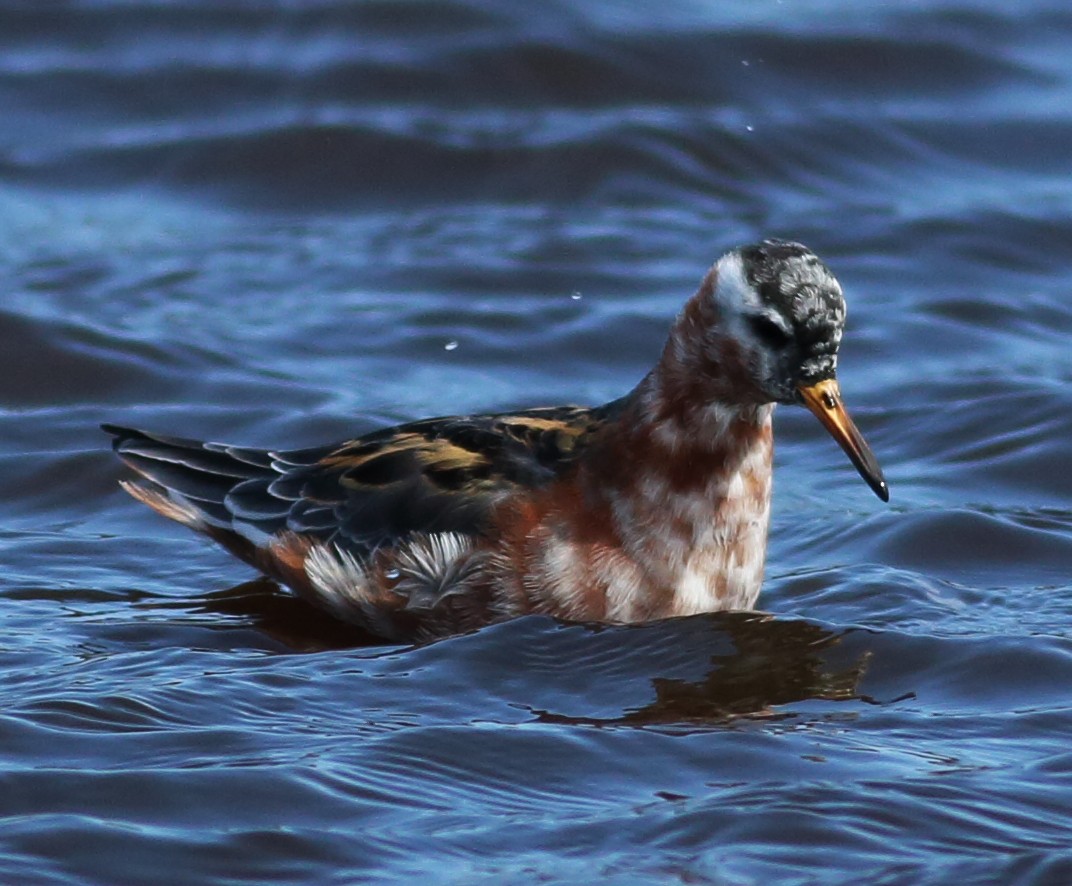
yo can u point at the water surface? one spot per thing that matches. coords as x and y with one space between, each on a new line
279 224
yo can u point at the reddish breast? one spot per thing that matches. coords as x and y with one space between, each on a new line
645 527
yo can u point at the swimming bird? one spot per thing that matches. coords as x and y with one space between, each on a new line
653 505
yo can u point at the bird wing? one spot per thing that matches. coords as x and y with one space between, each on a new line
430 476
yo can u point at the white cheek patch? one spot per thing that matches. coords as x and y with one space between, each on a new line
737 299
733 292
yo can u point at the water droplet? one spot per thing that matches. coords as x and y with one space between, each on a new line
750 128
392 574
450 346
745 62
576 296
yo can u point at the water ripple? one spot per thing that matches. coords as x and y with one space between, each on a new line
280 224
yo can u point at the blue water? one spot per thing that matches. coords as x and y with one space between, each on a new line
280 224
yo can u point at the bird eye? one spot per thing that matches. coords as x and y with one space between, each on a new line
768 332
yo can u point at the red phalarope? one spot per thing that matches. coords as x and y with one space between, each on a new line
653 505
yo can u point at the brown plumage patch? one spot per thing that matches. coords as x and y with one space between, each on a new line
164 505
284 559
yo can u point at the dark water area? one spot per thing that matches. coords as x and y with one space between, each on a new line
279 224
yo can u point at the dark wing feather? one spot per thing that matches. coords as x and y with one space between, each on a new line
435 475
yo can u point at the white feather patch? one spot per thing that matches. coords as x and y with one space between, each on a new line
425 569
339 578
435 566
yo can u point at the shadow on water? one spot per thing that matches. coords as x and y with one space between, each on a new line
705 669
769 663
287 619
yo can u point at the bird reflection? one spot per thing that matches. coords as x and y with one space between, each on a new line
760 664
772 662
288 619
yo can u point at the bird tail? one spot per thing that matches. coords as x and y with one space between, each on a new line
190 482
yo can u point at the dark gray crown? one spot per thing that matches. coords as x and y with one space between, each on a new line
793 280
